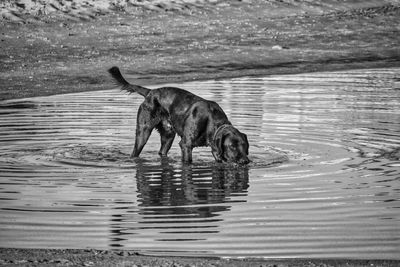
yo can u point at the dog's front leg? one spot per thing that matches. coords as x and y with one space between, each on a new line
167 135
186 149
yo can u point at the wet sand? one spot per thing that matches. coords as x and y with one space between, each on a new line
44 54
70 51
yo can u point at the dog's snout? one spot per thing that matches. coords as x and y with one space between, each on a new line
245 160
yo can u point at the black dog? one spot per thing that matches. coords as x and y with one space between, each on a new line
197 121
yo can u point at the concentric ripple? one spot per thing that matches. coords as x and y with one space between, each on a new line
323 182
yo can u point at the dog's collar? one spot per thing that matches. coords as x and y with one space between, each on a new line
220 128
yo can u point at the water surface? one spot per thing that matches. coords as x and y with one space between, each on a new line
324 181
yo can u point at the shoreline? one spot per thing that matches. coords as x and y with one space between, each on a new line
161 82
93 257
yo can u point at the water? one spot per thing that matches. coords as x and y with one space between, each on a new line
324 181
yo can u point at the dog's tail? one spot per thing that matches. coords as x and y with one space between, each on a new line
120 80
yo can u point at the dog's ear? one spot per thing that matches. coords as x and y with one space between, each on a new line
246 141
218 147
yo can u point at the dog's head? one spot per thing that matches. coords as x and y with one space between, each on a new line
230 145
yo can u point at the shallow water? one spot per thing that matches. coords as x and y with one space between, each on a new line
324 181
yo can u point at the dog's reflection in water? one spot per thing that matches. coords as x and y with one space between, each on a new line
170 186
179 199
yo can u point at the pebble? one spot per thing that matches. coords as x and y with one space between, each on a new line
278 47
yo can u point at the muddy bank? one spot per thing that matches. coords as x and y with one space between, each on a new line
52 54
74 257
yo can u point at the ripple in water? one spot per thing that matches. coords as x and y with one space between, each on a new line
324 181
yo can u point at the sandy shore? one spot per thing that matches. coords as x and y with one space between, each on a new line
74 257
63 50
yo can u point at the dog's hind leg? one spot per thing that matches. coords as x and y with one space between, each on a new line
144 126
167 135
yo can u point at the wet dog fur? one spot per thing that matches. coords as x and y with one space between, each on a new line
199 122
